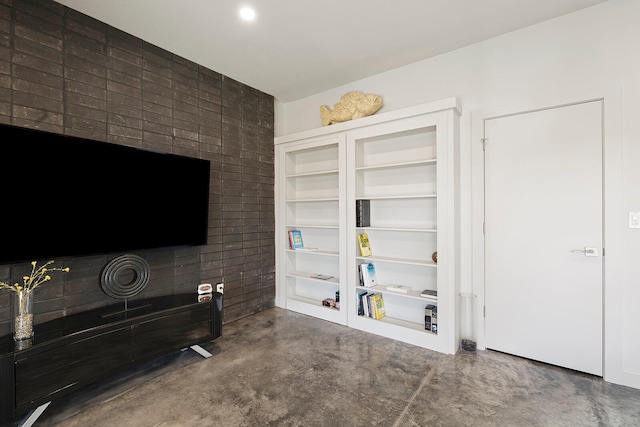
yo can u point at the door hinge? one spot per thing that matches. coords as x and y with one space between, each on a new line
483 229
602 251
484 311
484 143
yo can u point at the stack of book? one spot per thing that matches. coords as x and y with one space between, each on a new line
431 318
371 304
331 302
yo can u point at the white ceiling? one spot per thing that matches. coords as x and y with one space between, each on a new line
297 48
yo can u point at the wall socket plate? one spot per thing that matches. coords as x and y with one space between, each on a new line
205 288
220 288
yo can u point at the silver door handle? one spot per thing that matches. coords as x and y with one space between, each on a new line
587 251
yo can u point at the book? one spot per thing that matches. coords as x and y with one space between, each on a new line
359 302
371 302
371 275
363 209
295 239
322 276
330 302
365 304
402 289
431 318
368 272
364 245
428 293
378 306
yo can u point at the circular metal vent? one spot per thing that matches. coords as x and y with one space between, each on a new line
124 276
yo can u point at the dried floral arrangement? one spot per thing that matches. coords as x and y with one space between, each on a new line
38 276
23 329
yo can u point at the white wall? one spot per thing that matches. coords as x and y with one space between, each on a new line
569 57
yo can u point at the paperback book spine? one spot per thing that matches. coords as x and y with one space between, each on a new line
363 213
360 305
431 318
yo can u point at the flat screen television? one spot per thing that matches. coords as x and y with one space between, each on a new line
64 196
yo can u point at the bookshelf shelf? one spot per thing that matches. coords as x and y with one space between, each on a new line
374 258
314 308
312 174
410 294
416 327
398 165
402 164
319 226
313 251
318 199
396 197
308 276
401 229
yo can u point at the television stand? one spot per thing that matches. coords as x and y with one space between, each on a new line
126 312
73 351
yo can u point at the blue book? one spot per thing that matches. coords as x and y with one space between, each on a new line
295 239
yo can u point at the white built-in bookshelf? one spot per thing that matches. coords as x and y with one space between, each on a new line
310 185
402 163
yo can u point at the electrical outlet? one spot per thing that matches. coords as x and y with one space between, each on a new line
205 288
220 288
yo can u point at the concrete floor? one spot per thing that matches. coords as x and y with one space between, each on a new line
280 368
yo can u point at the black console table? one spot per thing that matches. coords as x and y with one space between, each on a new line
73 351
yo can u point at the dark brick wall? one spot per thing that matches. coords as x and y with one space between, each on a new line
64 72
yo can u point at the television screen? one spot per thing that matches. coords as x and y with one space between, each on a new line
64 196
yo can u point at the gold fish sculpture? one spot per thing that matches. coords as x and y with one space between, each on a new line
352 105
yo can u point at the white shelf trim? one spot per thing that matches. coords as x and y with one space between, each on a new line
313 252
311 174
321 199
303 275
397 260
320 226
402 113
398 197
410 294
397 165
401 229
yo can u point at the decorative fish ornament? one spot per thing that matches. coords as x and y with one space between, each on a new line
352 105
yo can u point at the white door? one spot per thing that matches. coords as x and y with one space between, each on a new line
543 235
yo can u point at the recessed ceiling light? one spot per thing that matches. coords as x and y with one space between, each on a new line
247 14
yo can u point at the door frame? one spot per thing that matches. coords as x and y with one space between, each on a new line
612 211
